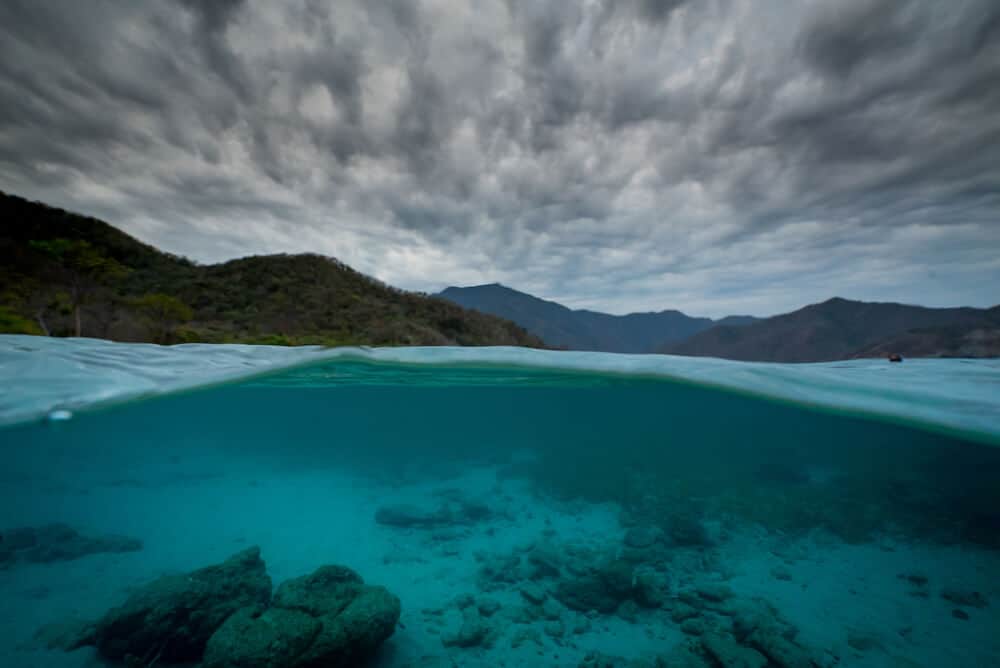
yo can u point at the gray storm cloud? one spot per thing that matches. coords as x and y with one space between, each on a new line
715 156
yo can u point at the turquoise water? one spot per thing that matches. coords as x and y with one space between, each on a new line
638 507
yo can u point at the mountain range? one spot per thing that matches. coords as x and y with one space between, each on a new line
835 329
562 327
64 274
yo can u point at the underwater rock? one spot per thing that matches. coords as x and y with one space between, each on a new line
681 657
749 618
554 628
472 632
431 661
67 635
968 599
456 510
779 649
171 619
533 593
272 638
546 560
959 614
19 539
727 652
915 579
682 611
602 660
629 611
463 601
863 641
650 589
686 530
488 607
524 634
329 618
551 609
580 624
407 516
603 589
694 627
499 569
57 542
715 593
643 536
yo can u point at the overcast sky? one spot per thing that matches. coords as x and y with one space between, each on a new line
718 156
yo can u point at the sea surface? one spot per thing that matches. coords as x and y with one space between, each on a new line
527 508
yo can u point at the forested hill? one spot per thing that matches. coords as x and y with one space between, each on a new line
66 274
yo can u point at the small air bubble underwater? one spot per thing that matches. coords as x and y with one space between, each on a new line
491 507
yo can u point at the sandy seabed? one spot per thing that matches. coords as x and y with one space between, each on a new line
852 605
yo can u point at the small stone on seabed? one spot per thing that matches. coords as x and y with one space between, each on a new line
532 592
642 537
488 607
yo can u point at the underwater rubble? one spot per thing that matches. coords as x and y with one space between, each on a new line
550 592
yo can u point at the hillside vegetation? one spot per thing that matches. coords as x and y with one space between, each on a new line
64 274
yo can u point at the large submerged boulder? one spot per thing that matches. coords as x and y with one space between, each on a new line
171 619
328 619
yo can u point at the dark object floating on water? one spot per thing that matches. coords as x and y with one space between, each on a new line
224 616
57 542
895 357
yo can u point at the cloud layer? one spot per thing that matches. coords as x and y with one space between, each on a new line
711 155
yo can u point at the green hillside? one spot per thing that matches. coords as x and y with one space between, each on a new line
66 274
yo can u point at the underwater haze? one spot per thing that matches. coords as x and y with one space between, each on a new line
225 506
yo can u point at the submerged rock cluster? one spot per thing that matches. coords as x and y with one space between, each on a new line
225 616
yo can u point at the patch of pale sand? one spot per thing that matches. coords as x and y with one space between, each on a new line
838 592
